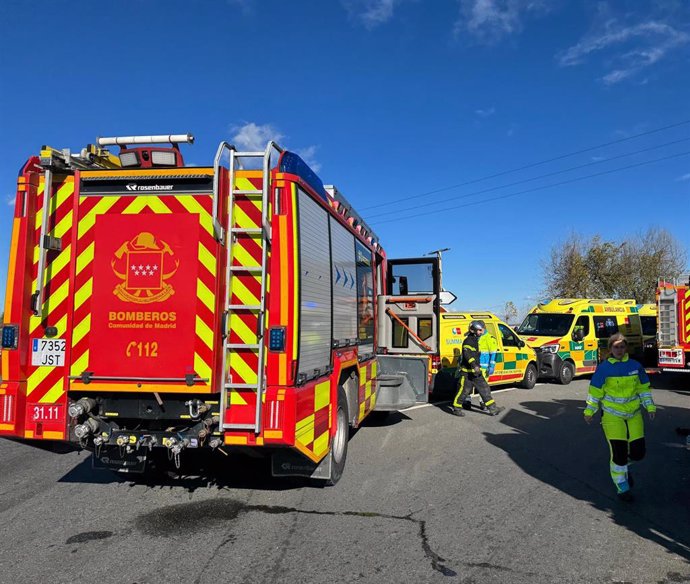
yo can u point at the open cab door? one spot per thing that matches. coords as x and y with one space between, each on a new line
408 332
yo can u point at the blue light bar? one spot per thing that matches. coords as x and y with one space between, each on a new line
290 162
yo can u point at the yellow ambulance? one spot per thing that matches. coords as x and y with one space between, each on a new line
648 315
570 334
516 362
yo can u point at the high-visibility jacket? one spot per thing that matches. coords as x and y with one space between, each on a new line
470 353
619 387
488 346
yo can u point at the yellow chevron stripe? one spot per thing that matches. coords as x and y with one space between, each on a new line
80 330
205 295
236 362
242 183
53 268
153 203
242 219
80 365
58 198
243 293
89 220
207 260
54 393
238 326
83 294
61 325
236 398
193 206
204 332
243 257
85 258
201 368
304 430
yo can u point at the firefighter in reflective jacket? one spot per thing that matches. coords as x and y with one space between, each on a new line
471 373
488 347
620 389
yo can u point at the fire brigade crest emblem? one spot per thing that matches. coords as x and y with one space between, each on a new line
144 265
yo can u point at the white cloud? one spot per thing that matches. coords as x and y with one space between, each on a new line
371 13
308 154
485 113
490 20
684 177
254 137
646 43
10 199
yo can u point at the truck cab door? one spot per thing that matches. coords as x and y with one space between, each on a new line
408 326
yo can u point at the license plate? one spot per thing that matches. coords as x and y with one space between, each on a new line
48 352
671 357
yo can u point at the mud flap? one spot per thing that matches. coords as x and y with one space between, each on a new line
126 462
289 463
402 382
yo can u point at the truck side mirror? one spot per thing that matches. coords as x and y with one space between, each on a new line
521 344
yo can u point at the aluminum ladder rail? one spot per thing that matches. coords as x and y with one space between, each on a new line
667 314
232 232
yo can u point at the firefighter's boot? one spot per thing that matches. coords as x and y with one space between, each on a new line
457 411
467 404
494 410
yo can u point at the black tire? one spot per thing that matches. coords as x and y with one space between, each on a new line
566 374
338 451
530 378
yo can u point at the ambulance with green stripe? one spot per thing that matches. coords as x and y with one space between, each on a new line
516 361
570 334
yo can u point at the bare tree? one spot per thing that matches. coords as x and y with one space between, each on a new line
510 312
597 268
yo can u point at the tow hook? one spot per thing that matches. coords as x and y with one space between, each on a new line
196 408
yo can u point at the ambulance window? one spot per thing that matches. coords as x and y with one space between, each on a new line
424 328
400 334
509 339
582 322
605 326
648 325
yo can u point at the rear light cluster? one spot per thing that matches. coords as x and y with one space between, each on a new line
10 336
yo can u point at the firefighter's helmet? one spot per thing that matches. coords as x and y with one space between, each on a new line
476 325
144 240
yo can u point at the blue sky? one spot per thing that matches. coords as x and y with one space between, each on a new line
388 100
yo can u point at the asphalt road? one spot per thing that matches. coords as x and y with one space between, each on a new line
426 497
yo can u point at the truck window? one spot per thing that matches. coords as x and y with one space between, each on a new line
583 323
400 334
605 326
424 328
365 294
412 279
507 336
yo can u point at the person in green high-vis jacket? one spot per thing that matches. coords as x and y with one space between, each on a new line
620 389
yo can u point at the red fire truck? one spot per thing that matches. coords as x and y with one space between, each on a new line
673 335
154 308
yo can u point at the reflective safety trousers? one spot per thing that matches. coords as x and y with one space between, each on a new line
619 387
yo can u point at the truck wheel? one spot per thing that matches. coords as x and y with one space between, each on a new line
338 452
566 374
530 378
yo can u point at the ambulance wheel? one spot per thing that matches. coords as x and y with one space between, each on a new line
338 452
530 378
566 374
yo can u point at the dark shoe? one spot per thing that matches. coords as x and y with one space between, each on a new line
457 412
467 405
482 406
495 410
627 496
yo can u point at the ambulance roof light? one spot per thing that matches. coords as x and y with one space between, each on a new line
159 139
